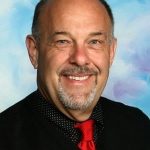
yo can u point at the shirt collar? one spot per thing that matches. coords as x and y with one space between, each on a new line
49 112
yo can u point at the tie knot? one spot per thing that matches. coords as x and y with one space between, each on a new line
86 128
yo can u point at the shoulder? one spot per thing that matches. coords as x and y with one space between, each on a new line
125 127
18 111
120 110
126 121
17 122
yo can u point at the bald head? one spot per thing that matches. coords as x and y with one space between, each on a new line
44 3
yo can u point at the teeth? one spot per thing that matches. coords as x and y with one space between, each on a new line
78 78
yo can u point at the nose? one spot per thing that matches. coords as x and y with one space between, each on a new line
79 56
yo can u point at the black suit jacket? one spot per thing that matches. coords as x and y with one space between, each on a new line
21 128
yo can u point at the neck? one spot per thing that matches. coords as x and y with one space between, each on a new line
78 115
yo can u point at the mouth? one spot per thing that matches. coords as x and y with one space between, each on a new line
78 78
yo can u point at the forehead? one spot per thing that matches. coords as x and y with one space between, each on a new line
74 13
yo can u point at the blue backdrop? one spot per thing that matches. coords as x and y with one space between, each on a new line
129 81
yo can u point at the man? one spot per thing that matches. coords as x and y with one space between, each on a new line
72 46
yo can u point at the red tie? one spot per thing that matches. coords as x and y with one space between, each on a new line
86 128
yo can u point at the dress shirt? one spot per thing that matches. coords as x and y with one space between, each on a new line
64 124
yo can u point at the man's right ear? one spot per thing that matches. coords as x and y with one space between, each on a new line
31 45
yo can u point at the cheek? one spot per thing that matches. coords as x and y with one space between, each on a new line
101 60
53 61
50 63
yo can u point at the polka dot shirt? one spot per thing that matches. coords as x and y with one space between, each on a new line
65 125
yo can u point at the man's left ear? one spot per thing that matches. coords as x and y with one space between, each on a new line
31 45
113 46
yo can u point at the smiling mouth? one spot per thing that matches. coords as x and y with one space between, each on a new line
79 74
79 82
78 78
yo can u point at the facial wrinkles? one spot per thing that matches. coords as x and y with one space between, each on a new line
79 72
70 100
55 8
77 9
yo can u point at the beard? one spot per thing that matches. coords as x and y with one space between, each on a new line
76 101
78 98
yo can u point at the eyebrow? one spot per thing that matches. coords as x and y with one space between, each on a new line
98 33
61 33
51 36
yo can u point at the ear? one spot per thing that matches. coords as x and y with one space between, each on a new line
113 46
32 50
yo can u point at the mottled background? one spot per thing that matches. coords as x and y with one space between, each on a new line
129 81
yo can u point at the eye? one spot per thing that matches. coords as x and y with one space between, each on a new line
95 42
62 43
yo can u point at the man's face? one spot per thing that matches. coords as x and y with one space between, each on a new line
74 53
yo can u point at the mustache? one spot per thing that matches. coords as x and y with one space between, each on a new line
79 70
